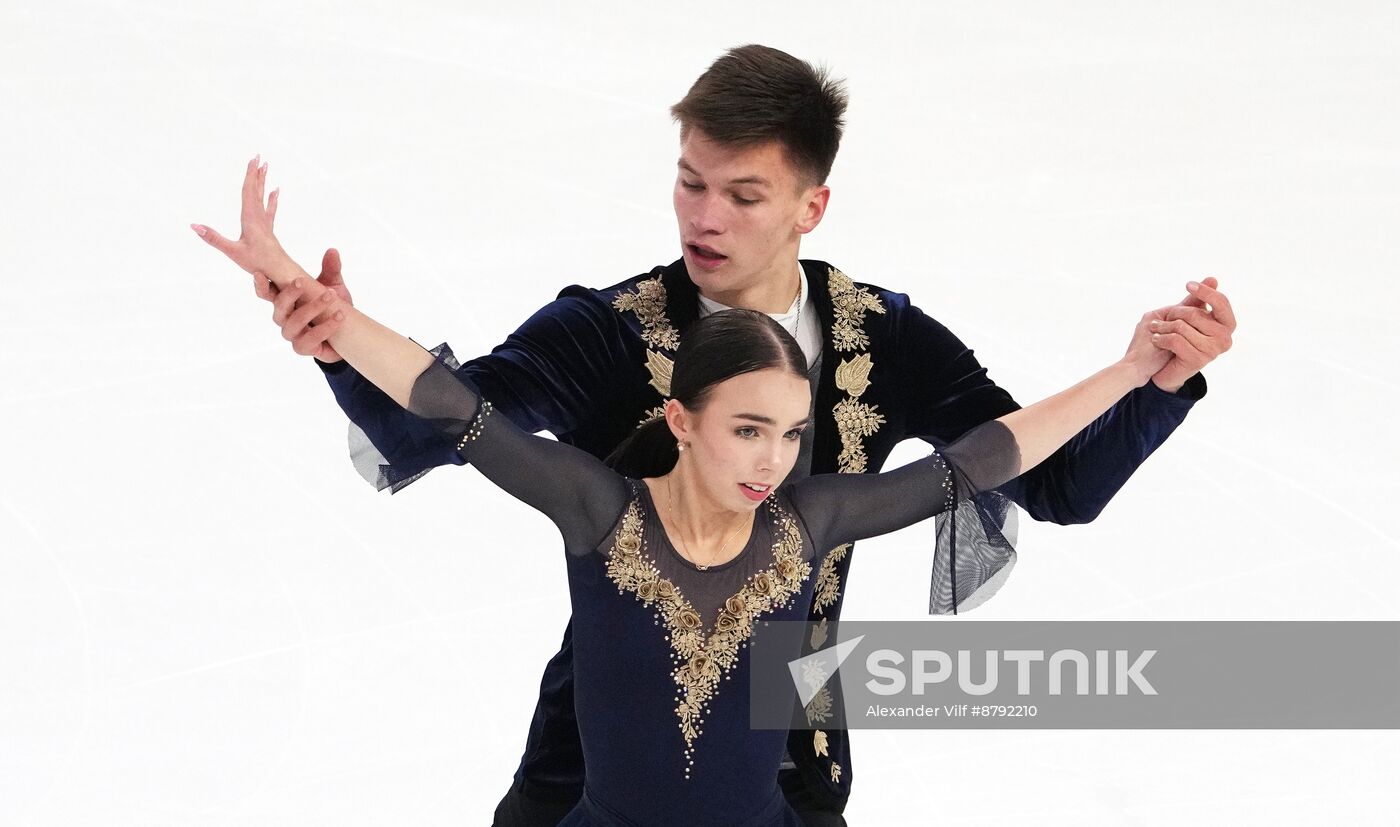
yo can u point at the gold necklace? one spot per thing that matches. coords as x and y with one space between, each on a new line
671 509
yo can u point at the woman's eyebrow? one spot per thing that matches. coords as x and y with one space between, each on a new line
768 420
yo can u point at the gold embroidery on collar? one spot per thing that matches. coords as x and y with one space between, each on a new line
855 420
853 375
701 660
649 303
655 413
660 368
849 304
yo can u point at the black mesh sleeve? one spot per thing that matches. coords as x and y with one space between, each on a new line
581 495
974 553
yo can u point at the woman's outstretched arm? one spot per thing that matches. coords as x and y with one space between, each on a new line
581 495
843 508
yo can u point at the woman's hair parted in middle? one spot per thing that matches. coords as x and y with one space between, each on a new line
718 347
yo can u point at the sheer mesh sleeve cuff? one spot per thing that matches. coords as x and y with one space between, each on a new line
447 401
418 451
975 548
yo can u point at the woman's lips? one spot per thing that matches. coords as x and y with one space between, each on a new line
756 496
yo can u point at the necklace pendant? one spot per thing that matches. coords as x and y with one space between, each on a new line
702 568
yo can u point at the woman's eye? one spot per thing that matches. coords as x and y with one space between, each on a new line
691 186
745 201
747 432
795 433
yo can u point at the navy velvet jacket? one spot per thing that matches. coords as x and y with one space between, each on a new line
593 364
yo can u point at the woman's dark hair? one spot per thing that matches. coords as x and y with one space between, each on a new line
718 347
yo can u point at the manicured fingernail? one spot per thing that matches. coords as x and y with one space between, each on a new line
1193 286
199 229
1155 325
339 316
1156 336
296 282
326 296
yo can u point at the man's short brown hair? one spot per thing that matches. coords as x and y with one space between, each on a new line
754 94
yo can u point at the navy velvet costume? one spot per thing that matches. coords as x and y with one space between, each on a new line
591 365
660 678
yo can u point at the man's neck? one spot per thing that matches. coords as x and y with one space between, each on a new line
773 294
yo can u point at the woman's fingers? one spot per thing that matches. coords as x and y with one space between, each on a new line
272 207
218 242
249 193
256 220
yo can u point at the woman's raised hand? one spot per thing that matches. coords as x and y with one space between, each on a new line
257 250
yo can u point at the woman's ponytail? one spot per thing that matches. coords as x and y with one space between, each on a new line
649 451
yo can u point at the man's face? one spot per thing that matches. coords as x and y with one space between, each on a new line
741 214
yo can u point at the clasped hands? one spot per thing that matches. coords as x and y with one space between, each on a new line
313 307
1173 343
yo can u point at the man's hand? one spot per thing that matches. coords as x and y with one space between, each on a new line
1194 332
307 335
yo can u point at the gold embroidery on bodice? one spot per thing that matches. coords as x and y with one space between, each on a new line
701 660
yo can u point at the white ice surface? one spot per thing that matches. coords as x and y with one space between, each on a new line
207 618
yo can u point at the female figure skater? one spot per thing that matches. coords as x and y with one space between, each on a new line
691 537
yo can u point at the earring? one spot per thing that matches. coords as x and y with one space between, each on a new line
680 446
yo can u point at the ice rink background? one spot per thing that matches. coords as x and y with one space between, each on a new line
207 618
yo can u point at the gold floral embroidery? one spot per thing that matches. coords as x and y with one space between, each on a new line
835 773
660 368
853 375
818 709
828 583
655 413
701 660
850 304
855 420
649 303
819 742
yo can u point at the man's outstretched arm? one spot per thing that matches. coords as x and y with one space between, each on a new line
953 394
545 376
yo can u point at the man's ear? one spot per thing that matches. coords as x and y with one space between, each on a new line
814 208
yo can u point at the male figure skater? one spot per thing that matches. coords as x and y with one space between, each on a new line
759 132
